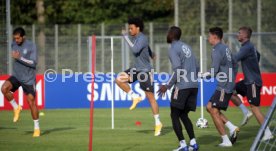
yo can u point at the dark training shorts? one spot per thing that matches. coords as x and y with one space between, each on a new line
27 89
184 99
254 94
220 99
145 79
240 88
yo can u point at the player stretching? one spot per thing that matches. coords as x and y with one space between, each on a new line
221 64
24 66
141 69
252 75
183 99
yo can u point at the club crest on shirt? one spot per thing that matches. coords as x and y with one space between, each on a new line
25 51
186 51
228 54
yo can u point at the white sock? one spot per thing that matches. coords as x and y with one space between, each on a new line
243 108
14 104
36 124
157 119
225 139
230 126
267 131
192 141
132 94
182 143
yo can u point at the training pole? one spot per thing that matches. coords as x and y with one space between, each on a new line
93 65
201 79
112 85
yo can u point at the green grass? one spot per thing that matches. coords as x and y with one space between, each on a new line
69 130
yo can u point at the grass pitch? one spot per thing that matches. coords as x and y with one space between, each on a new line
69 130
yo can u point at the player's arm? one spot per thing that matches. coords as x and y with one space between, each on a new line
32 61
243 53
138 44
176 65
216 59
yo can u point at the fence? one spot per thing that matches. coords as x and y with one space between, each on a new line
65 46
3 38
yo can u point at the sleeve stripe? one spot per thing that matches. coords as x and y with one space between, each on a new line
27 61
128 41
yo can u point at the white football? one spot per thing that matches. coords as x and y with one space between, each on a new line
202 123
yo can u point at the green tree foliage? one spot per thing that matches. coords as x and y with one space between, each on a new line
117 12
92 11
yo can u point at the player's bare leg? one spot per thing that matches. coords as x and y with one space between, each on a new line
260 118
122 82
155 111
6 90
35 114
246 113
215 114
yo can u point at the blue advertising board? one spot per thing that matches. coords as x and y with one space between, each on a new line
74 91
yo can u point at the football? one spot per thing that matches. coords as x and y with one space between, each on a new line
202 123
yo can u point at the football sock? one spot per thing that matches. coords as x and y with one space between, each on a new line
36 124
192 141
243 108
182 143
230 126
132 94
157 119
14 104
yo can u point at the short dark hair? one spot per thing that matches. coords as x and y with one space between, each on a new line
138 22
248 31
20 31
216 31
175 32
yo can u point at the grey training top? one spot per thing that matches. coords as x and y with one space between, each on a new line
140 49
184 65
222 66
24 67
248 55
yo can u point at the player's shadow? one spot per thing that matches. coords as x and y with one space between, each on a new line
248 132
207 139
165 130
45 132
7 128
130 147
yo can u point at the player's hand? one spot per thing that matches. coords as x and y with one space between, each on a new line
162 90
204 75
124 32
153 56
16 54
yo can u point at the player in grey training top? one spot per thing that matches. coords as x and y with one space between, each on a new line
185 82
24 71
252 75
24 68
222 66
140 49
141 70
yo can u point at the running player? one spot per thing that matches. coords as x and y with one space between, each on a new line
24 72
252 75
183 99
221 64
240 89
141 70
